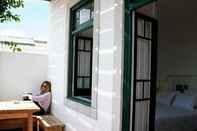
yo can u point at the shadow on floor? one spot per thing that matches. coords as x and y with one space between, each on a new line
17 130
12 130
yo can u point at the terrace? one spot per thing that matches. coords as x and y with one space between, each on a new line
114 65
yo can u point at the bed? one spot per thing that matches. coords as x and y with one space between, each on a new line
177 111
169 118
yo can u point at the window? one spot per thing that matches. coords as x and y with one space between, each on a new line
80 52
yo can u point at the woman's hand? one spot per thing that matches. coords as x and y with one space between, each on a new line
30 97
27 97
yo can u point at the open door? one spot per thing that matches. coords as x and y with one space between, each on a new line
144 77
139 77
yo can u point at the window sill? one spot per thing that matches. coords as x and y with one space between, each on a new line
82 106
81 100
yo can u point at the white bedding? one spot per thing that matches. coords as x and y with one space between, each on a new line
170 118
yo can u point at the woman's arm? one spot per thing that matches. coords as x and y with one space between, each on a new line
43 100
39 98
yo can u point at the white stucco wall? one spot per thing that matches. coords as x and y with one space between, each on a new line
21 72
109 30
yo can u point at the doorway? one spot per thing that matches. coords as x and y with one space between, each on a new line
140 67
176 70
144 82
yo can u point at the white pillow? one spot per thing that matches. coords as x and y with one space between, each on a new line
185 101
190 92
166 98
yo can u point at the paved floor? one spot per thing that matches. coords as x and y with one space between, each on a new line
15 130
12 130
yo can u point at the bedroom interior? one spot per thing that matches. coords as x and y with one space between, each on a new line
176 94
176 99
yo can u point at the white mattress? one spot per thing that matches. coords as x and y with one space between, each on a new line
175 119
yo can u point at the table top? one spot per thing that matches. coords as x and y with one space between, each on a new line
18 106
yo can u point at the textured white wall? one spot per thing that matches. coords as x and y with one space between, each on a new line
109 69
21 72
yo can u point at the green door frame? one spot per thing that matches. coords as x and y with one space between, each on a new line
130 6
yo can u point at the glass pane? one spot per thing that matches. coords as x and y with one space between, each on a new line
147 90
83 63
143 59
148 33
92 14
79 83
87 83
139 90
140 27
84 14
77 19
142 116
88 64
81 44
79 62
88 45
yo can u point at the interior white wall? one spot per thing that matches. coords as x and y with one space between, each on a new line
21 72
110 62
177 48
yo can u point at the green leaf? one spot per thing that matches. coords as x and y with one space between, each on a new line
12 46
6 6
19 49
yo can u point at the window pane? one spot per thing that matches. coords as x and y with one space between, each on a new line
147 90
83 63
148 30
88 64
139 90
77 19
140 27
88 45
84 14
87 83
81 44
143 59
79 83
142 116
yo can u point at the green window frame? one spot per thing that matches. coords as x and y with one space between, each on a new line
130 6
78 26
135 4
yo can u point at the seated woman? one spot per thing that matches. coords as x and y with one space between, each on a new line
43 100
